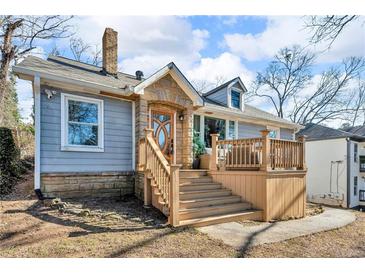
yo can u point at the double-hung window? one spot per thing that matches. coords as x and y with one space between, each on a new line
235 99
82 126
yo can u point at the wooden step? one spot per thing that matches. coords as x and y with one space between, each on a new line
250 214
188 195
202 212
201 179
199 186
212 201
193 172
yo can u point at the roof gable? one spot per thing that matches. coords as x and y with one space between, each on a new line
180 79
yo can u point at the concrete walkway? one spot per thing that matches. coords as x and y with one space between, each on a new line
240 236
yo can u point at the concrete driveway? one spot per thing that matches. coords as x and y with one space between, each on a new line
240 236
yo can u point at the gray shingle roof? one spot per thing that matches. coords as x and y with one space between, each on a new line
319 132
358 130
68 68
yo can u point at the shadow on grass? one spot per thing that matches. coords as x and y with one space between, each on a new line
243 251
130 210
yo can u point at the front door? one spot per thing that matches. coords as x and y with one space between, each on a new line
163 128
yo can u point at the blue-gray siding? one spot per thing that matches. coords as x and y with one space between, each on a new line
286 133
117 155
219 96
246 130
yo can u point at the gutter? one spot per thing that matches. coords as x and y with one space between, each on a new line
86 84
348 172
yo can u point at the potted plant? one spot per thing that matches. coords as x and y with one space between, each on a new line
198 149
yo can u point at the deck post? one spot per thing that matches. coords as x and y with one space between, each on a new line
174 194
266 164
302 155
213 160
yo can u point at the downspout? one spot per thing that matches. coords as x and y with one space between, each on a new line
348 172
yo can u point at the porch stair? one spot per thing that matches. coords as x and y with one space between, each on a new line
204 202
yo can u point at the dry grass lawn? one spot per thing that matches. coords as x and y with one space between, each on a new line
123 228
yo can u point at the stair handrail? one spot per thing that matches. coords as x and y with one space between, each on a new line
165 176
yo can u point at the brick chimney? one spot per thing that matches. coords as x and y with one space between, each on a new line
110 51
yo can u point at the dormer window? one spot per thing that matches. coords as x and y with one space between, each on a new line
236 99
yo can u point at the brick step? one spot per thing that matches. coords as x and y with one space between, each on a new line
202 212
249 214
188 195
211 201
199 186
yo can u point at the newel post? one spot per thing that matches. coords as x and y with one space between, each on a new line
213 159
302 140
174 194
147 189
266 163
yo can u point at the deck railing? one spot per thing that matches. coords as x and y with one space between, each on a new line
257 153
163 177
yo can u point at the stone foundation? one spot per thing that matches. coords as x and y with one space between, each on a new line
105 184
139 185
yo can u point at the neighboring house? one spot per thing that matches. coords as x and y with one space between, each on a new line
336 166
100 132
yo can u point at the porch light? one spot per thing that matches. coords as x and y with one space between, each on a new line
181 117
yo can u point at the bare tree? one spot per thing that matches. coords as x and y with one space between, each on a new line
203 86
330 100
19 36
84 52
78 48
358 101
285 76
96 57
328 28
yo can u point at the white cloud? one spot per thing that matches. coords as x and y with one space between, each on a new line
226 66
284 31
150 42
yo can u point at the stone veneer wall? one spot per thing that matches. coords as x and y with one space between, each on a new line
139 185
105 184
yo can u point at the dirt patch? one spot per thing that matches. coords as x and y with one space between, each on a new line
113 228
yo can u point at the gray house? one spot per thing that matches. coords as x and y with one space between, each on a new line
91 122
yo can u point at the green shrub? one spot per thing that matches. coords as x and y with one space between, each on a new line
9 156
198 145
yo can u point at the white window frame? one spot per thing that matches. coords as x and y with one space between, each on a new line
277 129
65 146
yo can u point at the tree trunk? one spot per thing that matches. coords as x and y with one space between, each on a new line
7 55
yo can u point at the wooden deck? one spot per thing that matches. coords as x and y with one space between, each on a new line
256 179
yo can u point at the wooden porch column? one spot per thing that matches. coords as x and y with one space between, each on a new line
266 164
302 154
213 159
147 189
174 194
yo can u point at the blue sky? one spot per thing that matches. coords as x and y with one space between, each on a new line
204 47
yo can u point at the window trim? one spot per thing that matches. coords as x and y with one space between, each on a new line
65 146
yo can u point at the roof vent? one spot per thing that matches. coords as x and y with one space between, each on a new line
139 75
